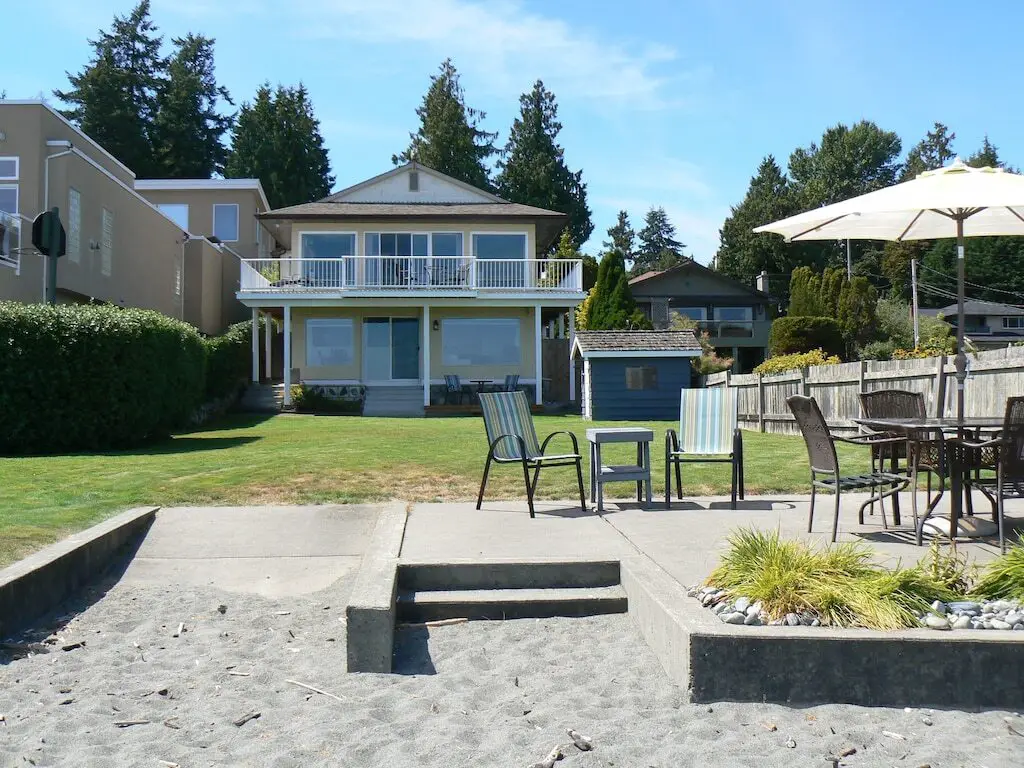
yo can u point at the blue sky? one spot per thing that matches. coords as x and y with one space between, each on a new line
663 103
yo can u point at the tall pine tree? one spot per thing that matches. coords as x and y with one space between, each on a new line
114 98
449 138
612 306
277 140
533 171
621 237
658 248
189 129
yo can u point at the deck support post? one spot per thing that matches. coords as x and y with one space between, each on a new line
572 360
268 325
538 355
425 346
255 345
287 355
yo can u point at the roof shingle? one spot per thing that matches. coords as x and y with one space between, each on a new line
327 210
637 341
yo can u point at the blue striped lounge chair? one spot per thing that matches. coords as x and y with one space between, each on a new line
453 388
512 439
511 382
708 432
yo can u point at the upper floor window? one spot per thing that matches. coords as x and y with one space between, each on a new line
1013 322
107 244
74 224
8 169
698 314
176 212
9 198
225 222
735 314
503 245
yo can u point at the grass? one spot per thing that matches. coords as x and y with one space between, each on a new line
1003 578
318 459
839 583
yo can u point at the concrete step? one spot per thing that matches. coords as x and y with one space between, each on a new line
498 604
508 575
262 398
393 401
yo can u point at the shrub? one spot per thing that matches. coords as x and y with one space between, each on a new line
313 399
228 360
802 334
839 583
94 377
783 363
878 350
1003 578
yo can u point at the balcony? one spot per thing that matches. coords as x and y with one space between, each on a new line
731 329
401 275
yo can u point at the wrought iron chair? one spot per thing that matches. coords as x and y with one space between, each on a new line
708 433
825 473
1009 463
453 389
513 440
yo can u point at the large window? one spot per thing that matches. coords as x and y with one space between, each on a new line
735 321
504 250
8 169
499 246
178 213
480 341
9 198
1013 322
329 341
326 251
698 314
225 222
74 225
107 244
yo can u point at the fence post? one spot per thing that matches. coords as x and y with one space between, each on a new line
862 374
760 402
805 388
940 387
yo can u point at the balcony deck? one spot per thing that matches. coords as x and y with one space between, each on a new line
410 276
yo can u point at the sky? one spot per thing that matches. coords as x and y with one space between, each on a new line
662 103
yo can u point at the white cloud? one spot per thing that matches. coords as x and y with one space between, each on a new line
503 44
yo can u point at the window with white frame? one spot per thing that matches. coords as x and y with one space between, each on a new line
1013 322
323 254
176 212
177 279
107 244
329 341
74 225
481 341
699 314
499 245
225 222
8 169
9 198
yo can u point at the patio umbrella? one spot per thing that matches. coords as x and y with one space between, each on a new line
955 201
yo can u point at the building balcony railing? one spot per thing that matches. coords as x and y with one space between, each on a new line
405 274
10 240
733 329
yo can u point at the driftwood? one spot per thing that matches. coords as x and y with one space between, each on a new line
181 628
548 762
168 763
430 624
314 690
129 723
238 674
251 715
73 646
583 743
169 722
897 736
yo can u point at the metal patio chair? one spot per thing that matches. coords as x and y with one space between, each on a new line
511 382
825 472
708 433
453 389
513 440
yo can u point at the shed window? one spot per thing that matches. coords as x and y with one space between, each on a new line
642 377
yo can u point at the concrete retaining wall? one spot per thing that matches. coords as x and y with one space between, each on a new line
38 584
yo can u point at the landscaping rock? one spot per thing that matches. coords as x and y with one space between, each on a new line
752 620
792 620
755 609
1001 606
742 604
1013 618
936 622
964 606
962 622
1019 626
939 607
1000 624
734 618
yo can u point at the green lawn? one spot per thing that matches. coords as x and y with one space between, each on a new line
317 459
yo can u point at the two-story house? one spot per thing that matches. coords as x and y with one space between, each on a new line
736 318
132 243
397 281
987 324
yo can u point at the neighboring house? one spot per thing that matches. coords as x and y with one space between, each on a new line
736 318
987 324
395 282
121 248
634 375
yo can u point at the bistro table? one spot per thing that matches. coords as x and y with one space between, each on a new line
919 430
480 384
639 472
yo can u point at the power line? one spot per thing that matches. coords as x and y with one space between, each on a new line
974 285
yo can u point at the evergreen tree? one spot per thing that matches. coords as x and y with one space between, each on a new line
533 171
933 151
612 306
986 157
189 130
659 248
277 140
856 313
114 98
449 138
566 249
621 237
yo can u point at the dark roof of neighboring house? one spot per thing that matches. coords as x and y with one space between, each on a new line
637 341
979 308
690 264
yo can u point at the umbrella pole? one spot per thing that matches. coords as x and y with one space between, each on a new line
961 355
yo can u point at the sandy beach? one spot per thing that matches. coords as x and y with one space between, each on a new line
478 693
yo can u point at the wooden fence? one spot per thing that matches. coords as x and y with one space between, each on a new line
993 376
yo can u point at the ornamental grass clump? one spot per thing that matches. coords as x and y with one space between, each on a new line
839 584
1003 578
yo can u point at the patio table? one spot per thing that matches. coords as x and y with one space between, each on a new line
921 430
639 472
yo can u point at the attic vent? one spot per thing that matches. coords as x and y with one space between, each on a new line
414 181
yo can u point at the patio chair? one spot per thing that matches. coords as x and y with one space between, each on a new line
708 433
453 389
511 382
513 440
1008 446
825 472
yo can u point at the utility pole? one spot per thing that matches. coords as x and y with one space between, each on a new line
849 261
913 293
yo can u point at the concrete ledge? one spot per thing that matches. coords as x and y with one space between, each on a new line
38 584
370 626
507 574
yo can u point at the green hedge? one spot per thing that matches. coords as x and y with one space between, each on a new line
802 334
228 361
94 377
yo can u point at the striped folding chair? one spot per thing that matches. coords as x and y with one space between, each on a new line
513 440
453 388
708 432
511 382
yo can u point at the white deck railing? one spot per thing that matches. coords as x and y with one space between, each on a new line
411 273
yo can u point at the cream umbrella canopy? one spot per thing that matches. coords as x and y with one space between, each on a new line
954 201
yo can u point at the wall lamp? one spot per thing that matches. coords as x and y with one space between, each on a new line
436 325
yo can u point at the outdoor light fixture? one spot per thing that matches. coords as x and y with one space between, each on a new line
437 325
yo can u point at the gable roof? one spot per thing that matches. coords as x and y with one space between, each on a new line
691 265
973 307
636 344
341 194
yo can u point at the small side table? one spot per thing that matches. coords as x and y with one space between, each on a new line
640 473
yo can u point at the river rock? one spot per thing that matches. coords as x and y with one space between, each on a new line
1019 626
1000 624
1001 606
939 607
755 609
752 620
964 606
792 620
721 608
742 604
962 622
1013 618
734 618
936 622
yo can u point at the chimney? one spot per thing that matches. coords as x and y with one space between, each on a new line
761 281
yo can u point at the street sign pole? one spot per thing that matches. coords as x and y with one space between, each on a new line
49 238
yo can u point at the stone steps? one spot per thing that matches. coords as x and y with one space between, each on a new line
498 604
262 398
393 401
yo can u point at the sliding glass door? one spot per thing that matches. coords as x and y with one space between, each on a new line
391 348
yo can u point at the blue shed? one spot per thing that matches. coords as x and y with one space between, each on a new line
634 375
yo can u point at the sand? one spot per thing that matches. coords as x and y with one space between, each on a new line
472 694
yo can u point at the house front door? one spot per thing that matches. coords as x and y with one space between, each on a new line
391 349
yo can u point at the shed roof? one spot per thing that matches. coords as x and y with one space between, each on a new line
637 344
